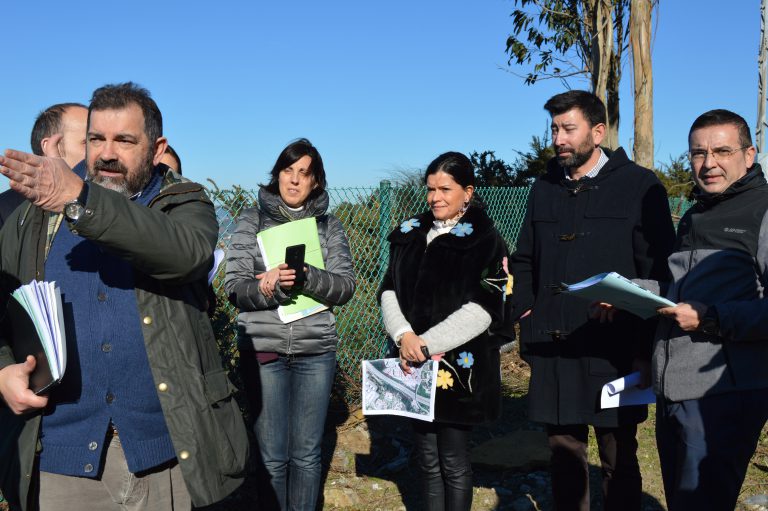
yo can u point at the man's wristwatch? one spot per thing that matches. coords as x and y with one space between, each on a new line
710 323
73 210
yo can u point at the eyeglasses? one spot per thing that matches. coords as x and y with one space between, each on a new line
698 156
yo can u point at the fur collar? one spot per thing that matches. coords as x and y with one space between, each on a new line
471 229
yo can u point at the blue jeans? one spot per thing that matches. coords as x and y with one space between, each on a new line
705 446
289 400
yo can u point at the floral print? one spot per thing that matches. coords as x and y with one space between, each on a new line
409 225
462 229
465 360
444 379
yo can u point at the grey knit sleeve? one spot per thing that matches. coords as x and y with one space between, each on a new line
394 322
461 326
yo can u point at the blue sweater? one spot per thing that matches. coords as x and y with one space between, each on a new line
107 376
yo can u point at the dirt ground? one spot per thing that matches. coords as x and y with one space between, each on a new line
368 464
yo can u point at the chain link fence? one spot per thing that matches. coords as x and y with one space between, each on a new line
368 216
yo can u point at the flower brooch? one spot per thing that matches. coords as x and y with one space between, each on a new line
466 359
409 225
462 229
444 379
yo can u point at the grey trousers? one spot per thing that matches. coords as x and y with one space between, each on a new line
117 489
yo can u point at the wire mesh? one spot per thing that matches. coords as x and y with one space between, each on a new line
368 215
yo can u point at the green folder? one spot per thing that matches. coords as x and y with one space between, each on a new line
272 244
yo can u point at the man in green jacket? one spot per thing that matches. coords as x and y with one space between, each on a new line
143 417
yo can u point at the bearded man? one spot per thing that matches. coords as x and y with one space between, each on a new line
593 211
143 418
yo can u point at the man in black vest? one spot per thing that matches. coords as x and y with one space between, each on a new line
709 357
70 120
593 211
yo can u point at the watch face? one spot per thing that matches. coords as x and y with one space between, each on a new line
73 210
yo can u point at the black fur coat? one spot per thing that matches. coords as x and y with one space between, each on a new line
431 282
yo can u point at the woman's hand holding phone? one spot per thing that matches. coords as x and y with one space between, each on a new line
280 275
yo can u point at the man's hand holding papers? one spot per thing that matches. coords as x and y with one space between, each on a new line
14 388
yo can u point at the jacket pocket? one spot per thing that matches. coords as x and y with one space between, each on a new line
231 441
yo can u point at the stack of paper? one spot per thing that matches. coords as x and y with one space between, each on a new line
620 292
37 325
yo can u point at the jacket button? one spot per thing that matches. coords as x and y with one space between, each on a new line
88 468
110 398
184 455
162 387
106 347
92 446
102 296
147 320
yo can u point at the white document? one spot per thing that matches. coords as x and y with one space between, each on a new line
218 257
624 392
42 302
620 292
387 390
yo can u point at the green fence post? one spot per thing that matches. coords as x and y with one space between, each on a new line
385 214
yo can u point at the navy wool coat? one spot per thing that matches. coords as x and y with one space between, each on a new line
617 221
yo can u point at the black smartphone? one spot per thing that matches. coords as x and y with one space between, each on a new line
294 258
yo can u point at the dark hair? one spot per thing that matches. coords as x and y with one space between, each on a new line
290 155
590 105
121 95
170 150
719 117
48 123
458 166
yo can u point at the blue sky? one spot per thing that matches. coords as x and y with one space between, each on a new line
377 86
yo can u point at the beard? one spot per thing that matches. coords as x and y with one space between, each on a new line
579 155
131 182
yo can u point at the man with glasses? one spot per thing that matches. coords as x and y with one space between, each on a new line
710 357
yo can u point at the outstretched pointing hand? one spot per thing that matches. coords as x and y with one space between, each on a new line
46 181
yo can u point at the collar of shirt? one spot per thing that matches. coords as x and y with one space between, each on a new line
595 170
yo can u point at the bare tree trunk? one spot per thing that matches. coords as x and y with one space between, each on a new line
605 62
604 82
602 45
640 41
612 105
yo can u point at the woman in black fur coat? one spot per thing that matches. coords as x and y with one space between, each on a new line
442 296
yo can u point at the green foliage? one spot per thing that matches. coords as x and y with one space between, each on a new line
676 176
491 171
407 177
556 30
558 37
